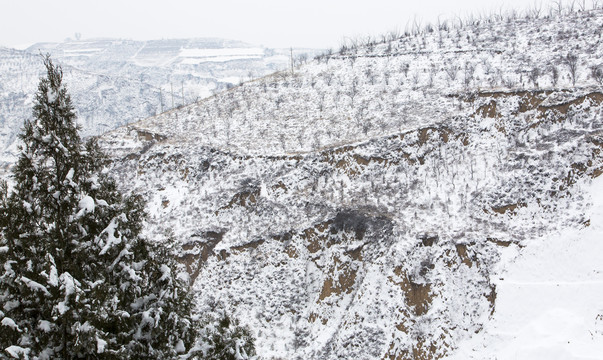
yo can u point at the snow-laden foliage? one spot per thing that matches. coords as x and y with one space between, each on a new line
78 281
223 339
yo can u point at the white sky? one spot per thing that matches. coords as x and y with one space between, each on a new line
272 23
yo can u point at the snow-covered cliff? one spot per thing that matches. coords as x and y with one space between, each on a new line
390 200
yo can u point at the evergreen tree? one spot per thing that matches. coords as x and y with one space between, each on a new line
78 281
223 339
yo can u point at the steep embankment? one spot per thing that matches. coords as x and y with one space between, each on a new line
364 206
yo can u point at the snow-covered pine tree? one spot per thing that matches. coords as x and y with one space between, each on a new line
222 339
77 280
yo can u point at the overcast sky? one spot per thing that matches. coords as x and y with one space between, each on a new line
272 23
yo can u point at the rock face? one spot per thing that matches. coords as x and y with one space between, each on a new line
361 206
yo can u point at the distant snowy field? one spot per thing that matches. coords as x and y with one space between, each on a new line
549 302
198 56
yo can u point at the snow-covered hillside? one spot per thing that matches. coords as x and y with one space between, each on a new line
388 201
115 82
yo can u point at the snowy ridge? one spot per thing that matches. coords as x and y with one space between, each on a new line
367 205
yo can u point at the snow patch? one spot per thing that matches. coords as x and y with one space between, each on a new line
100 345
86 205
10 323
111 238
45 326
18 352
34 286
52 95
179 348
548 303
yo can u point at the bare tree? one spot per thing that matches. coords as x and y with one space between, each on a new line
352 59
432 70
469 71
386 76
571 61
360 114
328 55
534 12
353 90
451 72
404 68
597 73
509 82
327 76
415 79
302 59
343 49
557 5
534 74
487 65
321 100
554 74
370 75
571 6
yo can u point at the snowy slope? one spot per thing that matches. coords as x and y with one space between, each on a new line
548 303
368 204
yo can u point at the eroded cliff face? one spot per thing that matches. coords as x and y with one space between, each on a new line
355 241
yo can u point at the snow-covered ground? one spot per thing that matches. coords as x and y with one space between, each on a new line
549 302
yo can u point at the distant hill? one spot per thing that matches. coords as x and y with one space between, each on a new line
115 82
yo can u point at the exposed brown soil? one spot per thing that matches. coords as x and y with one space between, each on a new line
317 236
418 296
149 136
245 199
428 240
344 283
499 242
422 350
291 252
248 246
595 97
491 297
356 254
488 110
353 164
196 253
461 250
511 208
313 317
